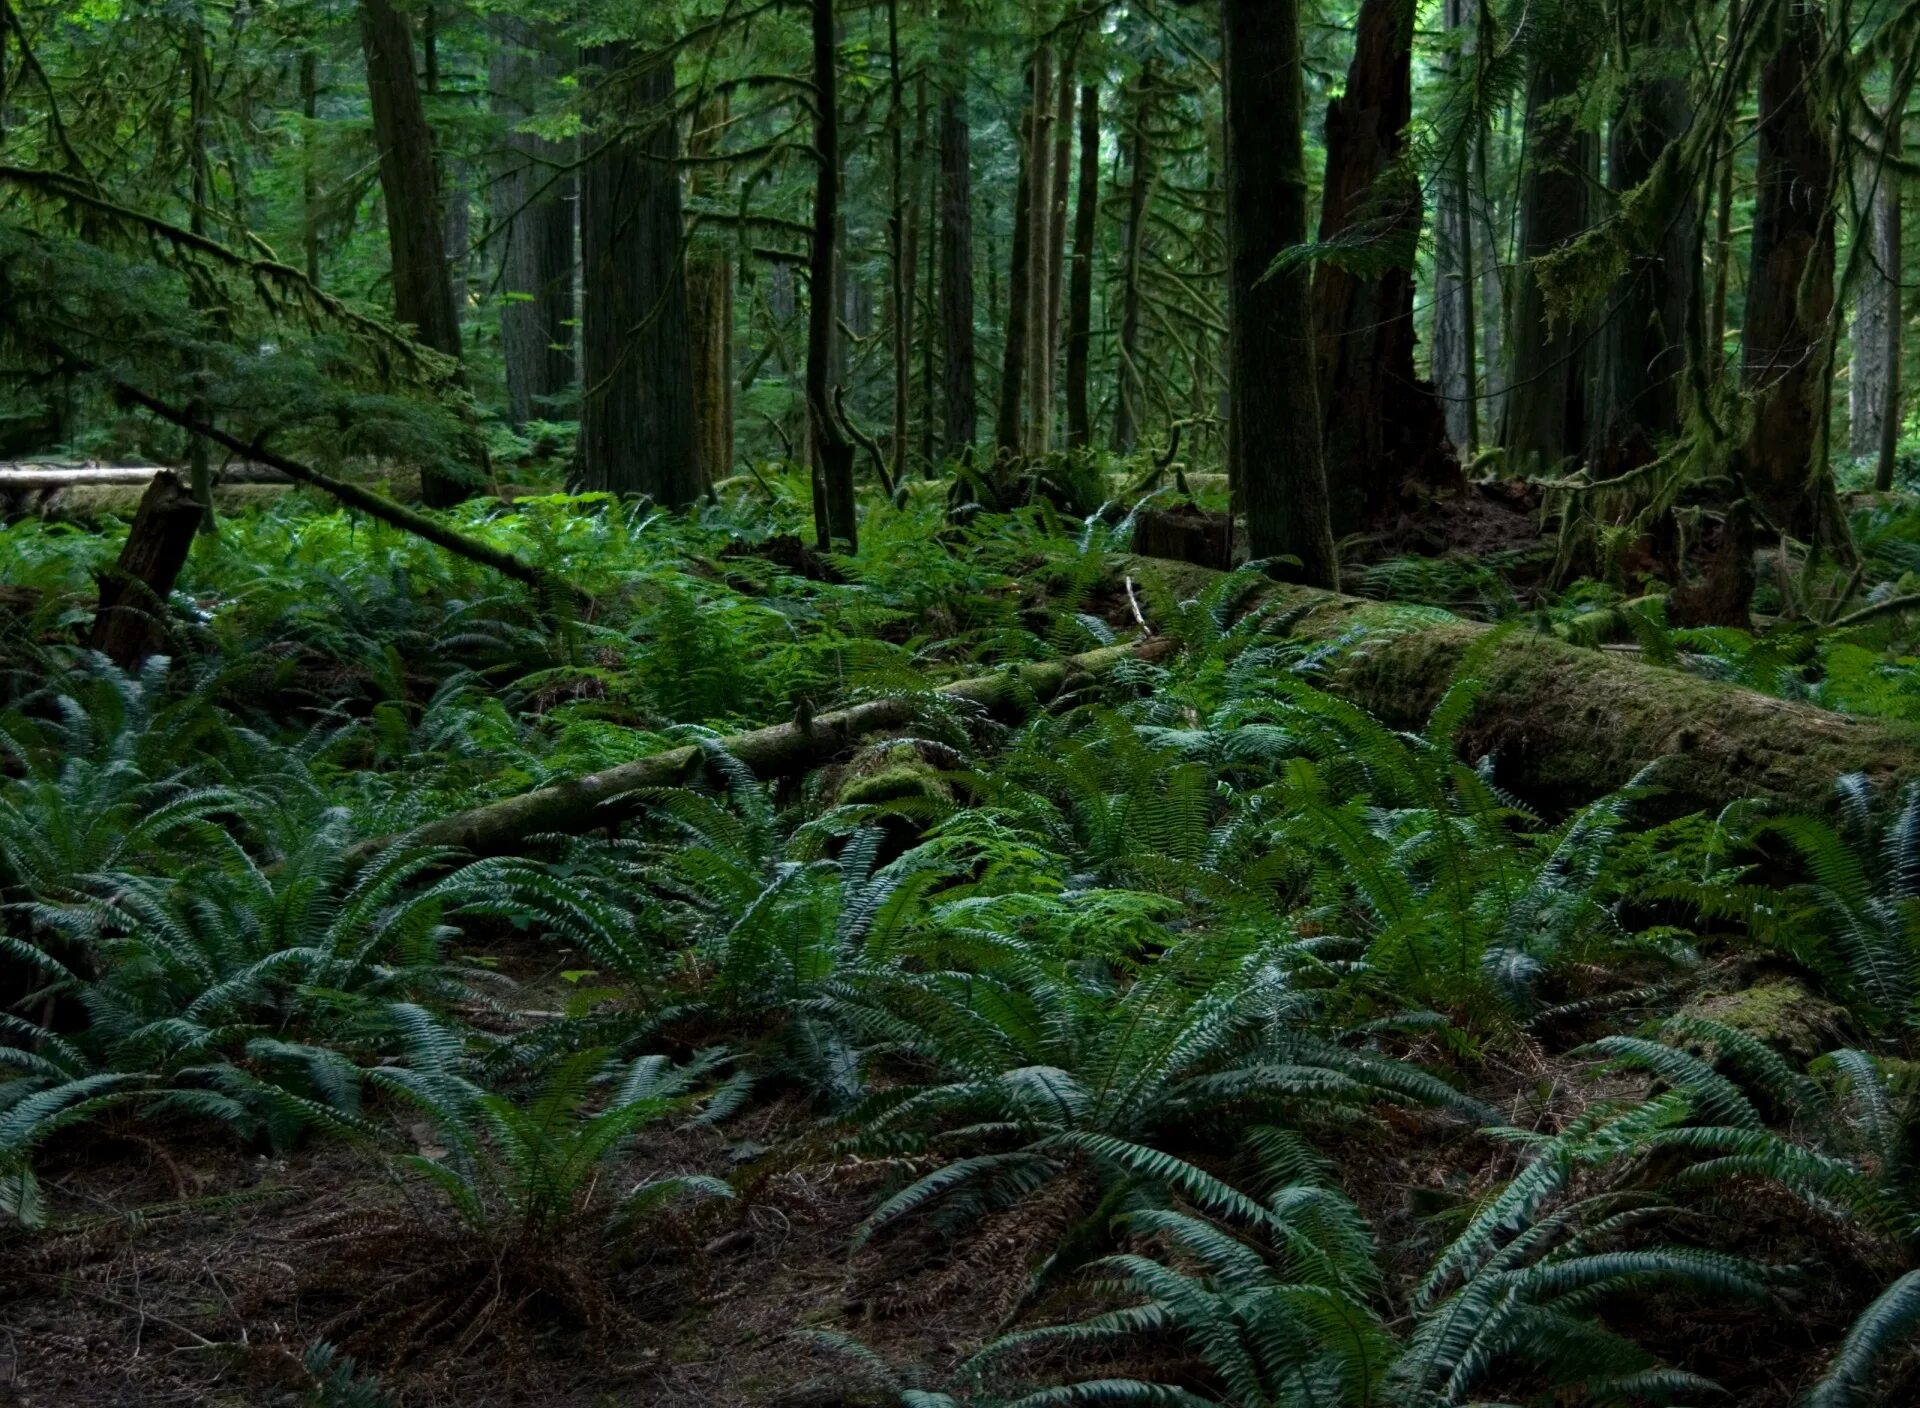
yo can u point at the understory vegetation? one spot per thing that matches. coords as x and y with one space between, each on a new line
1196 1038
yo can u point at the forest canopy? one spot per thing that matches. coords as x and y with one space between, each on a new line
998 702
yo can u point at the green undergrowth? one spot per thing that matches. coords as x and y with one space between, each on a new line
1202 1039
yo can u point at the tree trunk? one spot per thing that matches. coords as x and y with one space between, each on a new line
1086 216
130 624
1454 373
1140 179
900 247
1545 402
606 798
1273 441
834 502
410 186
961 400
710 313
1009 422
309 180
1563 724
1722 254
923 241
1874 378
1790 286
1642 348
636 410
533 207
1383 426
1056 248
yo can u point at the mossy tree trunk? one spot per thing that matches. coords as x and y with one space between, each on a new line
1086 216
960 402
710 310
834 502
1140 181
1009 422
1273 442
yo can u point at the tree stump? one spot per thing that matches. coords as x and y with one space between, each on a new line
130 624
1185 534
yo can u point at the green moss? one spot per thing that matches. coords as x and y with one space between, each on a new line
1778 1011
896 781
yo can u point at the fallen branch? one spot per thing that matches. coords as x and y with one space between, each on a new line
604 798
1564 723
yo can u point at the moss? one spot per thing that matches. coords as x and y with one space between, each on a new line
1780 1012
896 781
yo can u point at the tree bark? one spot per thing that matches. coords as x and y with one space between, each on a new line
1388 426
1048 381
1454 372
1790 287
1086 216
1544 419
1273 442
1140 180
1642 347
1009 422
710 313
533 204
636 411
130 623
410 186
606 798
961 400
1564 724
1873 392
834 503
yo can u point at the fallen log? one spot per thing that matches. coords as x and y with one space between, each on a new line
131 621
604 798
1565 724
22 476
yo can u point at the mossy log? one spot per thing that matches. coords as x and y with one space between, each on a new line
1565 724
607 797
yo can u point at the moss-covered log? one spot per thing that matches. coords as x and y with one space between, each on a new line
604 798
1564 723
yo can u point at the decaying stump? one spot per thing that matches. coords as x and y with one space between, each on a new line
129 625
1185 533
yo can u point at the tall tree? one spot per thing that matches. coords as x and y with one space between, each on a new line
1048 381
1651 317
710 307
636 409
1009 423
961 396
1790 283
1140 183
410 187
1389 425
533 212
1873 381
1454 351
834 503
1086 215
1544 419
1273 441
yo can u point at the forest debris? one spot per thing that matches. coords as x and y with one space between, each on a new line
606 797
1565 724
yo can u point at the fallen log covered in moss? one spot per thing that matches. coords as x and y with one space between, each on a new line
613 794
1565 723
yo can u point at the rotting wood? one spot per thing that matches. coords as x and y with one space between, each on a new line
130 624
1563 723
614 794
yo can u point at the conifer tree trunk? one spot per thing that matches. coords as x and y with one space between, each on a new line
1790 285
1056 255
922 251
1722 254
1544 418
636 411
1273 445
1039 274
309 181
710 312
410 186
900 287
1140 179
1086 217
1389 426
834 502
533 207
960 409
1454 372
1642 346
1873 392
1009 422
